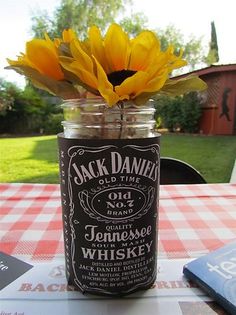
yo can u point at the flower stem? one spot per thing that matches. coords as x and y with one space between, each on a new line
121 106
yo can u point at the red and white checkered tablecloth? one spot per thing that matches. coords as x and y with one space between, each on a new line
193 220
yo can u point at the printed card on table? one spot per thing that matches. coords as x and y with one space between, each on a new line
216 274
11 268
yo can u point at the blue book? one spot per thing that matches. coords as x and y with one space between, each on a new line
216 274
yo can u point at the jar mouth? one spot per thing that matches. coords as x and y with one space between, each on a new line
101 111
82 101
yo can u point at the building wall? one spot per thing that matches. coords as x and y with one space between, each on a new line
219 103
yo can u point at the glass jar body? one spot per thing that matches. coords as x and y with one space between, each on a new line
93 119
109 166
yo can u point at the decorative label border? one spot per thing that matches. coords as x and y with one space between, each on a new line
72 152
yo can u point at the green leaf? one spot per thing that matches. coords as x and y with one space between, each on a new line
188 84
62 89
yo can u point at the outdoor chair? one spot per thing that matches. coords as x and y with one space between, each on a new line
173 171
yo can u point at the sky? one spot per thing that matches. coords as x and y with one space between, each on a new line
188 16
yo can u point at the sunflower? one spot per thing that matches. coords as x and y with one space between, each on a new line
115 66
119 68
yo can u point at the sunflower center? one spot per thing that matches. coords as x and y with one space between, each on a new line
117 77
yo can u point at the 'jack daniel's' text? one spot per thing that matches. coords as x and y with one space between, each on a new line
114 165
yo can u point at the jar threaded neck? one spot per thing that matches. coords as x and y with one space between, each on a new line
93 119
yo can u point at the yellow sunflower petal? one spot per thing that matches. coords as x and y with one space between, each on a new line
144 48
68 35
117 48
43 56
147 39
88 78
50 43
174 61
22 61
85 45
131 86
105 87
139 83
156 83
97 47
164 62
57 42
85 76
81 56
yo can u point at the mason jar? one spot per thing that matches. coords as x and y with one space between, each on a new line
93 119
109 166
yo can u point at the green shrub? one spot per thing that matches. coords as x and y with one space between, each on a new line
191 113
169 110
181 113
27 111
53 124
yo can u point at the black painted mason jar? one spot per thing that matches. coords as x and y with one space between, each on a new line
109 168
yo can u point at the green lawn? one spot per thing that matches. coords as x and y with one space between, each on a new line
34 159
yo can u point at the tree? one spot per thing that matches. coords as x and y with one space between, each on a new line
134 24
6 97
193 51
79 15
41 23
213 54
